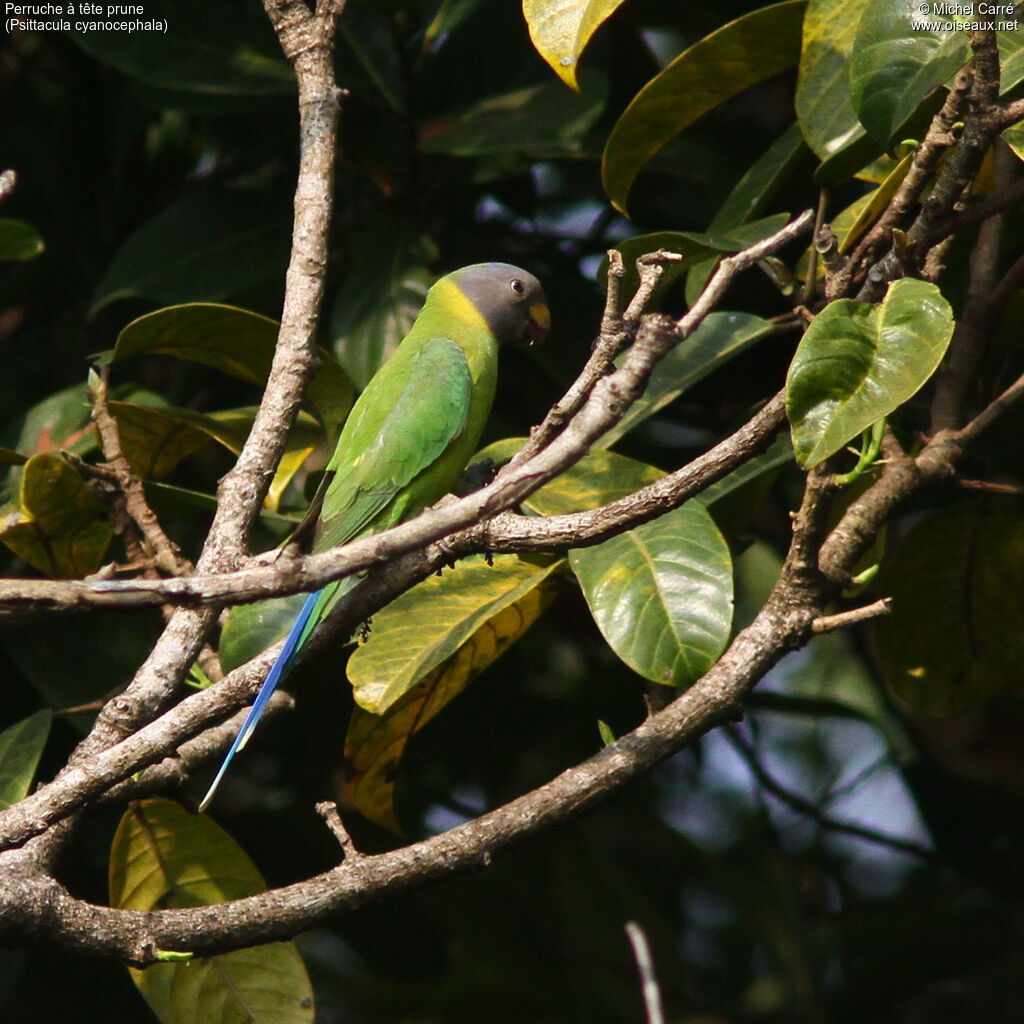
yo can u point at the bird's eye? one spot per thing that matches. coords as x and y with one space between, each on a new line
517 286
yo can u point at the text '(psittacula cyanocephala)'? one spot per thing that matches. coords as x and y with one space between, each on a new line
412 431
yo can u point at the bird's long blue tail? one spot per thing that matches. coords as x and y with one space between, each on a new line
296 636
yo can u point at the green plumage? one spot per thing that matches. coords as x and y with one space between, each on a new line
412 431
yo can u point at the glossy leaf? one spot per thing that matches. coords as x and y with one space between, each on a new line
156 439
468 619
736 56
208 246
692 246
561 29
749 198
757 187
538 121
21 746
721 337
18 241
954 637
857 363
429 623
234 341
736 500
1011 57
56 525
599 477
661 594
824 105
870 207
893 67
252 628
163 857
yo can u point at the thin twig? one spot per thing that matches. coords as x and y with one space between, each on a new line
328 810
808 808
829 623
645 967
157 544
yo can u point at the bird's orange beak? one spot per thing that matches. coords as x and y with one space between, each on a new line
538 324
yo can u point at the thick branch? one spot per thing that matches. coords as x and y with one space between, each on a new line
41 908
308 42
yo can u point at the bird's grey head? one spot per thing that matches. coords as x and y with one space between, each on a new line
510 299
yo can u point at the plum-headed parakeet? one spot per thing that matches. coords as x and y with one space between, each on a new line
412 431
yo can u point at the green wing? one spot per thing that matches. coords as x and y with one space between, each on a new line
390 457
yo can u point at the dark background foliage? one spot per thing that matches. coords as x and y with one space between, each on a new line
152 186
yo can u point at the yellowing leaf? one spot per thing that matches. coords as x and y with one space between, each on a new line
164 857
598 478
156 439
428 624
561 29
57 525
375 743
234 341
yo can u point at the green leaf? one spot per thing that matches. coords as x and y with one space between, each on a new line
954 637
561 29
539 121
824 106
156 439
693 246
380 298
210 245
661 594
57 526
93 650
860 157
163 857
216 51
893 68
736 56
718 339
1011 58
759 184
736 499
21 746
430 623
871 206
750 197
598 478
450 15
19 241
252 628
234 341
60 422
858 362
468 619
